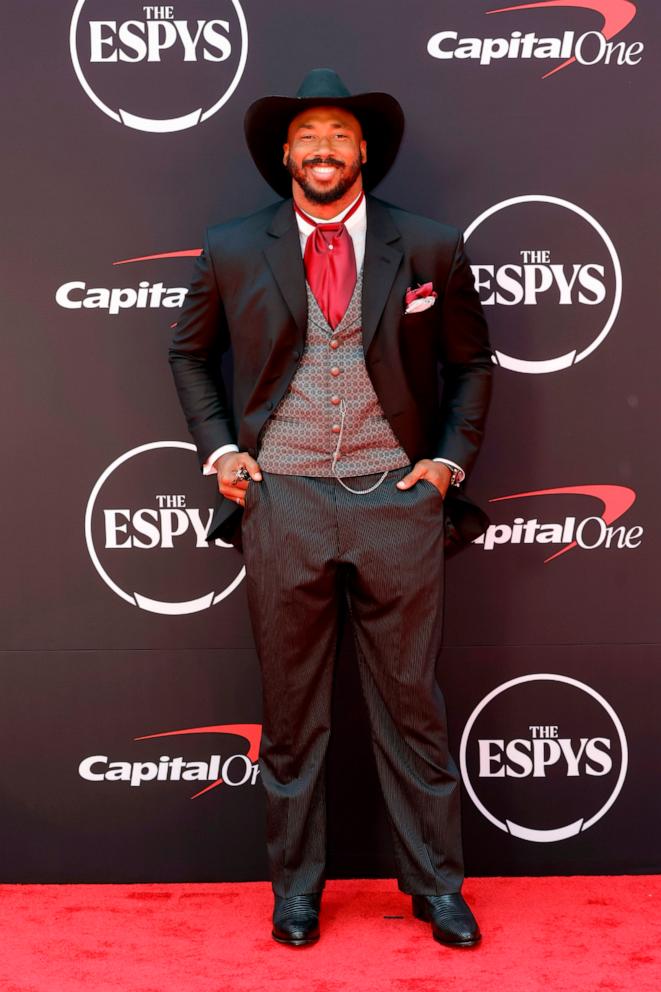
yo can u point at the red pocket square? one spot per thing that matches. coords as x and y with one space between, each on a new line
420 298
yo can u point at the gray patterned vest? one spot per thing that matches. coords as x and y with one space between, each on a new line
330 421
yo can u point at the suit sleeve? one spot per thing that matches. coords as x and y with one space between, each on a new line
466 366
200 339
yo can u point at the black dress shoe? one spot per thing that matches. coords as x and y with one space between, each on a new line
296 919
451 920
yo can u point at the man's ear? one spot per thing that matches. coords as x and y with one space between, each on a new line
285 150
363 151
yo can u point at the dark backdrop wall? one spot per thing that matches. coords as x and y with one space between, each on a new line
130 687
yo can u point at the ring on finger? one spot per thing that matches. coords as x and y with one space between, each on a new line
241 474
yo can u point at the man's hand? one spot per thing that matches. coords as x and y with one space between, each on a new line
435 472
226 468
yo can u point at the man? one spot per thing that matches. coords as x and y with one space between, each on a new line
339 311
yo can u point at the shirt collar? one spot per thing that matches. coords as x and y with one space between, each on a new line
355 222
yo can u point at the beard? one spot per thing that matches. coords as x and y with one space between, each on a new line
347 177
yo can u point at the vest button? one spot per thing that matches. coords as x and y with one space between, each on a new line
335 428
335 400
297 354
335 370
334 344
269 404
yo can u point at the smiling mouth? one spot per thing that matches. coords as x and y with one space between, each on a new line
323 172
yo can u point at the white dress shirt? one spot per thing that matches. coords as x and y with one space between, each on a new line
357 228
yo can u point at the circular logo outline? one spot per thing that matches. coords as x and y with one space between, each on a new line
571 358
158 125
557 833
136 599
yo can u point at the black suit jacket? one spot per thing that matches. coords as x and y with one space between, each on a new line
248 295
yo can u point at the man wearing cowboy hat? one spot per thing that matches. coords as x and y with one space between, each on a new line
339 471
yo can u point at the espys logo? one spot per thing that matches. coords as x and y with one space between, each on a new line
159 67
77 295
586 532
235 770
543 757
145 526
589 48
551 279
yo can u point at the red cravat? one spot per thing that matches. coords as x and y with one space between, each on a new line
330 265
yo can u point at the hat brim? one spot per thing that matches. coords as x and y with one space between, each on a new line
266 122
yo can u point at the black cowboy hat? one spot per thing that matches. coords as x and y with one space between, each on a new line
267 120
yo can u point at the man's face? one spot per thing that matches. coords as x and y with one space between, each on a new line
324 153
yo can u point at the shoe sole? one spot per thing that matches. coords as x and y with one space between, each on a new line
457 943
295 943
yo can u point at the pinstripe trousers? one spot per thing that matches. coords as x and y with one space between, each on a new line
307 544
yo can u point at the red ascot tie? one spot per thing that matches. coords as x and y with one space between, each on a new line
330 265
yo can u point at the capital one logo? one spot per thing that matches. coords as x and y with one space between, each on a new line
549 278
152 294
543 757
159 67
234 770
145 525
587 48
573 530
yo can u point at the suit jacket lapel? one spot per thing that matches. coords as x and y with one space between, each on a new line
283 255
382 260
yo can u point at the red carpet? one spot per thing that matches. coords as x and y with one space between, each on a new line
550 934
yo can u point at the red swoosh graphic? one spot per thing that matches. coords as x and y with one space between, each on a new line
616 14
186 253
252 732
616 501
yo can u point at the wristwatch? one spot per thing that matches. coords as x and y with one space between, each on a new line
455 476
